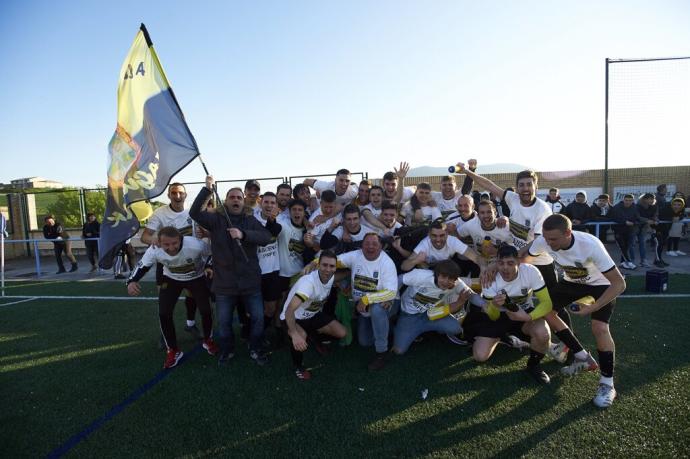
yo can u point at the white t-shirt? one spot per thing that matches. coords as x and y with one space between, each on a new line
458 221
369 276
188 264
433 255
423 293
290 247
520 290
583 262
363 231
387 232
446 206
430 213
473 229
526 222
321 228
350 194
165 216
267 254
374 211
313 293
407 194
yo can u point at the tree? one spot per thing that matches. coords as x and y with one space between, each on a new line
65 206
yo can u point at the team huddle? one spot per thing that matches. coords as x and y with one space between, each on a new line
301 266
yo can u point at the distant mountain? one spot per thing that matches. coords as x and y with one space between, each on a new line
429 171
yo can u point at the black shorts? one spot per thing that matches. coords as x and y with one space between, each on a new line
478 324
284 283
320 319
564 293
271 286
548 272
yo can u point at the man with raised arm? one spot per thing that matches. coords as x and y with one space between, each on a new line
236 275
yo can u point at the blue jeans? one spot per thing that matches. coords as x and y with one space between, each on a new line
225 309
374 329
410 326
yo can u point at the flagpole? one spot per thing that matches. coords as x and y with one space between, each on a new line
2 251
149 43
225 210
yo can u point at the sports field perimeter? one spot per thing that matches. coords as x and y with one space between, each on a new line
83 377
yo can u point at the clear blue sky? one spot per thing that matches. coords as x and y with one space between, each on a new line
277 88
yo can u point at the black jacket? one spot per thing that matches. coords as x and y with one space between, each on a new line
232 275
578 211
620 214
91 227
53 232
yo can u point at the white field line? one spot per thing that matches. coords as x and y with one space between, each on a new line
17 302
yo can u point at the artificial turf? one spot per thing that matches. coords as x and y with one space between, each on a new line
65 363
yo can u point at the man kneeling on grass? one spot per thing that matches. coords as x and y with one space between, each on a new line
184 267
512 309
429 302
303 314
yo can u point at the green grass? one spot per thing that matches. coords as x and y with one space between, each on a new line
65 363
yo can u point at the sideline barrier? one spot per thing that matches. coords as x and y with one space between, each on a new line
37 256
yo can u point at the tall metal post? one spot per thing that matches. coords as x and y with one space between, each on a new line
606 132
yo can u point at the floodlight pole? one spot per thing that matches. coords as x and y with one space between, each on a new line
606 131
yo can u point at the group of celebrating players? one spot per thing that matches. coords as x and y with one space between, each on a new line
302 264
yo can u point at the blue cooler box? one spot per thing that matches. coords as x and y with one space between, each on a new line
656 281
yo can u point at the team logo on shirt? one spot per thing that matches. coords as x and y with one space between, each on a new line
520 231
364 283
296 246
376 274
189 267
423 300
575 273
315 306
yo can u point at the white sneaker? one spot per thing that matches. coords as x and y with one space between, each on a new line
558 352
679 253
605 396
587 364
671 253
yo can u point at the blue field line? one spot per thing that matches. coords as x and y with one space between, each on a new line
74 440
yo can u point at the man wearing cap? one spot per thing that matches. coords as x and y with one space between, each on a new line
251 196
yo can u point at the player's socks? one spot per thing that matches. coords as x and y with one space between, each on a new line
606 362
566 336
534 358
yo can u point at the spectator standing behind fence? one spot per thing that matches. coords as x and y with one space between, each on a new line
578 211
649 217
661 196
53 230
675 214
599 211
553 199
90 230
625 215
